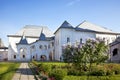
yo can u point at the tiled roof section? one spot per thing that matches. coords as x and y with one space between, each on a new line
65 24
34 31
23 40
42 36
92 27
81 29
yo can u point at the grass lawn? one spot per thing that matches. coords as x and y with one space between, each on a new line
7 70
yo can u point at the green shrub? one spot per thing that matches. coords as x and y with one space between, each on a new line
75 72
35 63
98 73
45 67
44 78
111 68
116 69
58 74
109 72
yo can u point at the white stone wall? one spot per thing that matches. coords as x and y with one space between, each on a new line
61 38
83 35
26 53
109 38
33 51
75 36
38 52
115 58
57 44
3 55
12 48
56 50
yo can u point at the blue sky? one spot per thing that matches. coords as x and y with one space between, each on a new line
14 14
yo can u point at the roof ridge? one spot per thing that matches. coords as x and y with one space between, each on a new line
93 26
80 23
34 26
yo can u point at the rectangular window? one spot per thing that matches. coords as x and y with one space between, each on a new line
23 56
68 39
14 56
80 40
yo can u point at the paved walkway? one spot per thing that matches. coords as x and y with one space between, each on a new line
23 73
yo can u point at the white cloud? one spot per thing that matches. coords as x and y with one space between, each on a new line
73 2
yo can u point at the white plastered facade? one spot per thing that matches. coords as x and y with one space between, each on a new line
52 49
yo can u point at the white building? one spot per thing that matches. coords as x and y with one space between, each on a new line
115 51
31 42
40 43
3 51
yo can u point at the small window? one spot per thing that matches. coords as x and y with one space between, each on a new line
33 57
108 41
14 56
52 43
40 47
48 46
104 38
23 56
33 47
45 47
21 50
68 39
115 51
80 40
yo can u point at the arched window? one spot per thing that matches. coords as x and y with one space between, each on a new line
80 40
115 51
32 48
49 46
33 57
23 50
68 39
52 44
43 58
14 56
45 47
41 47
23 56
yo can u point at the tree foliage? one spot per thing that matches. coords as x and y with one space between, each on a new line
68 54
93 51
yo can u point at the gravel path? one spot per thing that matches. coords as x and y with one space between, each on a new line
23 73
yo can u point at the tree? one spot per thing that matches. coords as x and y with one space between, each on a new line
95 52
92 52
68 54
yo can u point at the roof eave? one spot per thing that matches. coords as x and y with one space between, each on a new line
100 32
